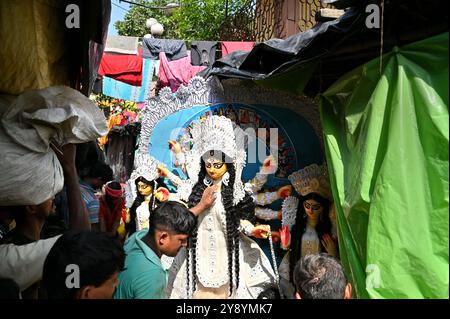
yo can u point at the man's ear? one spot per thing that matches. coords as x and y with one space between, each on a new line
31 209
297 295
348 291
162 237
84 292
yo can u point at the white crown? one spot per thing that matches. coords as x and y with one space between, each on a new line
312 179
289 211
221 134
145 166
214 133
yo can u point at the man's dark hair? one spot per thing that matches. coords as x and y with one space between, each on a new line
102 170
87 154
174 217
320 276
98 256
270 293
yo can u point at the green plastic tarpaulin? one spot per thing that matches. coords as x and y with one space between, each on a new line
386 139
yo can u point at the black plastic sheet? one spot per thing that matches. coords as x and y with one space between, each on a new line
331 49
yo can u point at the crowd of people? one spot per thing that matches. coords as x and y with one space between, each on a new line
102 252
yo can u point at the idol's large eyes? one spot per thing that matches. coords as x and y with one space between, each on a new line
218 165
311 206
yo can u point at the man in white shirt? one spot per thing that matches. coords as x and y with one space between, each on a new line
33 169
24 264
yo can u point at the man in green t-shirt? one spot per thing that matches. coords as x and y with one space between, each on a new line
144 277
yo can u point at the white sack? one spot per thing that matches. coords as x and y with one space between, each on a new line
30 172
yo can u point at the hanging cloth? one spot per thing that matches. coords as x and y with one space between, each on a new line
124 91
203 52
122 44
126 68
174 49
177 72
229 47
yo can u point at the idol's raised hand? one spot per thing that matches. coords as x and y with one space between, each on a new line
261 231
269 165
284 191
162 194
174 146
162 171
330 245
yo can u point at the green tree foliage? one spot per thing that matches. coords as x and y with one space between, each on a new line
199 20
134 21
193 20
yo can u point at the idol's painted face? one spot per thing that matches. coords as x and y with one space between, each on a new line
313 208
215 168
145 189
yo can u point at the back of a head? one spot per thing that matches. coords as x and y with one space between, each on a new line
320 276
86 154
102 170
96 255
114 185
173 216
113 191
270 293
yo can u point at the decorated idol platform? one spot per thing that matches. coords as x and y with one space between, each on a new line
265 149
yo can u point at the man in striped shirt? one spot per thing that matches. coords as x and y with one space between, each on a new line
98 175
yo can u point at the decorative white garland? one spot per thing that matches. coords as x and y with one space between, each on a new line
166 103
289 211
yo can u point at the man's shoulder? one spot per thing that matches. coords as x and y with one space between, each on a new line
139 262
139 275
16 238
141 281
141 270
86 189
136 263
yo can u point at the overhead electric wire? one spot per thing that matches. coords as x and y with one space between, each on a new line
119 7
145 6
